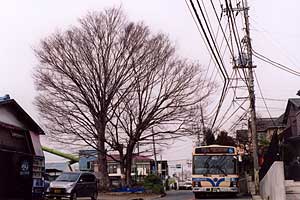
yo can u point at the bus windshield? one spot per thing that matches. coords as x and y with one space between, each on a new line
214 164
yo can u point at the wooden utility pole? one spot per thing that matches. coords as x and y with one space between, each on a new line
154 152
249 66
203 125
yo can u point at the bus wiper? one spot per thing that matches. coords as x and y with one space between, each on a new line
221 170
206 165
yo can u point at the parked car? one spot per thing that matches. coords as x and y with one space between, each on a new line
185 185
72 185
188 185
181 185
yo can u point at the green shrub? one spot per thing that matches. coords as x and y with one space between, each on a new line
154 183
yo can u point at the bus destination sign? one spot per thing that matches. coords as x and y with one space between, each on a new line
214 150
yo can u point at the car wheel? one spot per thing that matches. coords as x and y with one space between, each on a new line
74 196
95 195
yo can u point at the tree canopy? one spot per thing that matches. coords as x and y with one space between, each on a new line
109 83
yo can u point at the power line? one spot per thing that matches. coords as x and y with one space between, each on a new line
232 102
205 43
260 91
272 99
222 42
222 66
267 35
215 54
220 25
241 118
275 64
232 114
234 29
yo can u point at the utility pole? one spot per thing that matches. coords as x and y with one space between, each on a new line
245 63
203 125
181 172
154 152
249 66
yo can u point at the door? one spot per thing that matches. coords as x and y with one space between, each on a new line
86 185
91 184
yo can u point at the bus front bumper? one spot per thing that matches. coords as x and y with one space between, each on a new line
216 189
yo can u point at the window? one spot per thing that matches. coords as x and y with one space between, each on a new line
112 168
134 169
214 164
87 178
68 177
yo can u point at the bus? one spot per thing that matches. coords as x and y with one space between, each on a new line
215 170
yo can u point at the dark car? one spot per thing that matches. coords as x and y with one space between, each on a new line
71 185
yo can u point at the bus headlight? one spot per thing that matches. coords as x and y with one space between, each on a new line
199 184
196 184
234 184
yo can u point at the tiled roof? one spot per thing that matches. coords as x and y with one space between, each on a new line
292 101
262 124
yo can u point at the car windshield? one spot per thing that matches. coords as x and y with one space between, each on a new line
214 164
68 177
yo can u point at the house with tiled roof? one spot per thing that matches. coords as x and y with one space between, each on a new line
265 127
290 138
22 159
141 165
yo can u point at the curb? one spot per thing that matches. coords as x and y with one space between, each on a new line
128 196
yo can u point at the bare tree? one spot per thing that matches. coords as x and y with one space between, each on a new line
162 102
109 84
83 75
224 139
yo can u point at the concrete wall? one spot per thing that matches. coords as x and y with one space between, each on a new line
272 185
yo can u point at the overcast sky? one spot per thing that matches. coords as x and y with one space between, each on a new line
274 29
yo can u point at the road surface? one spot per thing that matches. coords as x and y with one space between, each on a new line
188 195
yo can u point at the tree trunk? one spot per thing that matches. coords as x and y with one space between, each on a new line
129 159
104 182
123 176
122 166
102 167
128 171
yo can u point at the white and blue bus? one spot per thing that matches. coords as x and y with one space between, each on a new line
215 170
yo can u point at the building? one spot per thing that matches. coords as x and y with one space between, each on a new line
290 138
162 168
141 165
21 155
54 169
180 169
265 127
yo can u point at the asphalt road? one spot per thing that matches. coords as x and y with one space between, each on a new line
188 195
